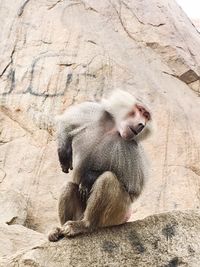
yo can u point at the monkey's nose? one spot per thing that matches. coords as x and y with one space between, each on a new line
139 128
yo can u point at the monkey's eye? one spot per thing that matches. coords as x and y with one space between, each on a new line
132 113
146 115
140 108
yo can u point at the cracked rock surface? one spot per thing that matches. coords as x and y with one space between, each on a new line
15 239
171 239
55 53
13 207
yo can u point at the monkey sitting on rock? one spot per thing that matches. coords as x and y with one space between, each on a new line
101 143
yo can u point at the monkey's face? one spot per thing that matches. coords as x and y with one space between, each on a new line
134 123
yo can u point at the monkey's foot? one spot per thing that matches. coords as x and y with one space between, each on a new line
55 234
73 228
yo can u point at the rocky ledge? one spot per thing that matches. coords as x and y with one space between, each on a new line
167 240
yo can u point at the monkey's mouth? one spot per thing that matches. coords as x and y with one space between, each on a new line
128 133
133 130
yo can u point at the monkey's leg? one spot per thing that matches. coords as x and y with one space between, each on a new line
69 204
107 205
69 208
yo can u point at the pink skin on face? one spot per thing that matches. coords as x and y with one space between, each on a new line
136 116
126 132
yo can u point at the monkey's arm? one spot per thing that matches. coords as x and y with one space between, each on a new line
65 154
64 128
73 120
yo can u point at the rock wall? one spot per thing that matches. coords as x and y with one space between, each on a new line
196 23
55 53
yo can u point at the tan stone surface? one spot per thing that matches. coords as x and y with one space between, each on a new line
13 207
171 239
56 53
16 239
197 23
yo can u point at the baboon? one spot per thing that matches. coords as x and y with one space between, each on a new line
100 141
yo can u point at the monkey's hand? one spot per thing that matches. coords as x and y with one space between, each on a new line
66 169
86 184
68 166
65 157
84 193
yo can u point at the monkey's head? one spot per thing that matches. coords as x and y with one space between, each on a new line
132 118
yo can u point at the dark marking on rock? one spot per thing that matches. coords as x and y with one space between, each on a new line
11 78
189 76
30 90
135 242
55 4
66 64
173 262
12 220
93 42
69 79
156 244
169 231
191 250
21 10
5 69
109 246
11 74
90 75
30 87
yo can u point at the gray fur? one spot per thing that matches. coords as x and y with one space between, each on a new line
87 125
112 168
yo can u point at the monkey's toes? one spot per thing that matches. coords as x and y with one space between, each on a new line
71 228
55 235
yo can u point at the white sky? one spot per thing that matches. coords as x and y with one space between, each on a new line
191 7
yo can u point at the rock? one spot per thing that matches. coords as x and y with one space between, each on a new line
56 53
16 239
170 239
196 87
189 77
13 207
197 23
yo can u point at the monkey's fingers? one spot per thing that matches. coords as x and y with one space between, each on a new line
83 191
66 168
70 165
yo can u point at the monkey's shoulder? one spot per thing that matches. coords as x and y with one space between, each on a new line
86 109
81 114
